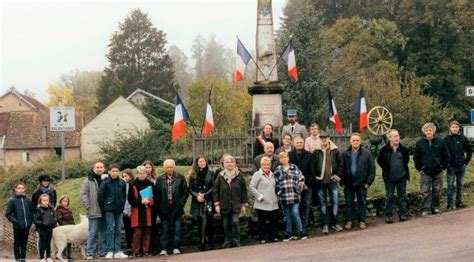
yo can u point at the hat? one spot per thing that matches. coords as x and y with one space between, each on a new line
44 178
292 112
324 134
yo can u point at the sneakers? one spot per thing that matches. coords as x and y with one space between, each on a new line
424 214
325 229
263 241
109 255
389 220
90 258
362 226
461 206
120 255
287 237
302 236
163 253
403 218
176 251
436 211
348 225
337 228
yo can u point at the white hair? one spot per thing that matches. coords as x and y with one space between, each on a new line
141 169
229 157
429 125
170 162
389 133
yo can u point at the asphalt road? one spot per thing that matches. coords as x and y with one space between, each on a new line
445 237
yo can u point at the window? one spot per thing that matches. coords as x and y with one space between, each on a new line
25 157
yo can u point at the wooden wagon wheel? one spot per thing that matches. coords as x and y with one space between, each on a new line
380 120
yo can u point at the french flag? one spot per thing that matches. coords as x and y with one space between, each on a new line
289 57
209 120
180 118
243 58
333 115
360 108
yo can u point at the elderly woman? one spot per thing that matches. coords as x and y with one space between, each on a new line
230 198
289 185
262 187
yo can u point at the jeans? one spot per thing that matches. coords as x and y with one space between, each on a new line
166 225
292 214
401 187
305 206
113 234
45 236
350 193
457 172
430 190
323 191
231 229
267 224
20 240
97 228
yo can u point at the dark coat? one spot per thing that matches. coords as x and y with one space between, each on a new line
39 191
337 163
64 216
304 160
19 211
231 196
141 215
203 184
258 147
432 157
385 156
180 195
45 218
365 174
112 193
460 150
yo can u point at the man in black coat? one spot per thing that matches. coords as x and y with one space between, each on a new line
357 176
431 158
393 159
460 153
303 160
172 193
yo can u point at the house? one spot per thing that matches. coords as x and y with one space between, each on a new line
25 137
120 117
139 96
14 101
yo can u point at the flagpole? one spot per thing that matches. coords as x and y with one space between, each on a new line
278 59
251 58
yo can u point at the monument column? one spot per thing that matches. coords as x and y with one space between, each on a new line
266 92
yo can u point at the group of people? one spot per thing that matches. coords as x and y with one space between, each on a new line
282 184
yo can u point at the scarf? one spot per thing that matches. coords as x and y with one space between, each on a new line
229 175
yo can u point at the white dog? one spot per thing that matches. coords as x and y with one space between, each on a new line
74 234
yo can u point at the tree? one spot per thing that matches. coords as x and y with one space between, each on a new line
137 59
180 62
212 58
59 95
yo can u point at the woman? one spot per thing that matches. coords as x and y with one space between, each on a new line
151 175
289 185
200 186
230 199
262 187
264 137
150 171
141 213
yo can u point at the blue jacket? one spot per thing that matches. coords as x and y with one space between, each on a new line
19 211
112 194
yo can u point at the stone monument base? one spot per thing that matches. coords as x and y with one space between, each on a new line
266 103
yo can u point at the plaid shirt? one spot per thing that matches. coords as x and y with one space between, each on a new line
169 181
289 184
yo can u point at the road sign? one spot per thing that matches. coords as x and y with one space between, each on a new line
62 118
469 90
472 116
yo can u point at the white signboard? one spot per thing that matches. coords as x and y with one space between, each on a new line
62 118
469 90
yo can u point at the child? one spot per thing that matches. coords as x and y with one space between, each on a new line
141 214
20 213
112 201
65 217
128 177
45 221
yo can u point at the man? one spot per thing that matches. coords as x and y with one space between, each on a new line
303 160
313 141
265 137
393 159
357 176
269 152
172 193
287 144
89 198
328 168
460 153
294 128
431 158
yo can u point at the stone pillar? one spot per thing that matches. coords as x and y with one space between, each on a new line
266 92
